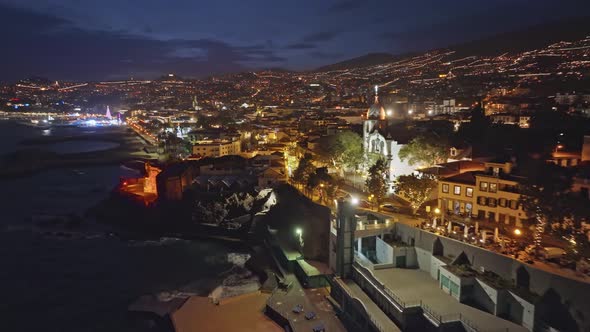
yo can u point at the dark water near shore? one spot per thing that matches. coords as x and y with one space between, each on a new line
80 146
85 279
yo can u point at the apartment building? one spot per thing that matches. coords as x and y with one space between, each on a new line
491 194
217 148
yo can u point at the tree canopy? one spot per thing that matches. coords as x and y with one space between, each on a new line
344 149
304 170
425 150
416 189
544 190
376 182
544 193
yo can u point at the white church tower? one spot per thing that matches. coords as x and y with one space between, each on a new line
378 140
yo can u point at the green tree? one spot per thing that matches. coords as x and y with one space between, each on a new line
376 181
544 194
344 149
416 189
425 150
577 212
304 170
473 131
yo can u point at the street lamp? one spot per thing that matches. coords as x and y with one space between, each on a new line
299 232
517 232
354 200
436 213
372 199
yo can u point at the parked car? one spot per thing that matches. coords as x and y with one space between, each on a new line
552 253
567 263
583 266
364 204
389 208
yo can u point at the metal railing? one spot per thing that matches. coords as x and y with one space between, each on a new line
401 305
369 315
389 295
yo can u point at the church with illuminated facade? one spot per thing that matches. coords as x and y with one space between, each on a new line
379 138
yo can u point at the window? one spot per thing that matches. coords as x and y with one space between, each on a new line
513 204
445 188
492 202
502 202
493 187
444 281
496 171
457 190
469 192
481 200
483 186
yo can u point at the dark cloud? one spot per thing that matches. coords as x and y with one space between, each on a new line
300 46
61 51
322 36
325 55
65 39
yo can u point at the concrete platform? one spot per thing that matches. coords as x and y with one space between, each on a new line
241 313
416 285
312 300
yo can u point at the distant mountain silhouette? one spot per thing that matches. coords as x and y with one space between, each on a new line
277 70
525 39
370 59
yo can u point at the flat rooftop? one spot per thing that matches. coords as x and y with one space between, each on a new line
415 285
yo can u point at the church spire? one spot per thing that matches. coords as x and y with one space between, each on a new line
376 111
376 94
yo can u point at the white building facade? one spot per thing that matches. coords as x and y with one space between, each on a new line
378 139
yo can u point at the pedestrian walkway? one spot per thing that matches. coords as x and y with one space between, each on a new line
379 318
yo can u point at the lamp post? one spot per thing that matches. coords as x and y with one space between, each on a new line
434 220
299 232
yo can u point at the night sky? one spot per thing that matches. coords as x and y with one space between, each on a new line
112 39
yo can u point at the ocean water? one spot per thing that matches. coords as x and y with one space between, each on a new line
83 279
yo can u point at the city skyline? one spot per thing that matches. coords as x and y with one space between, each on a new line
337 165
70 41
